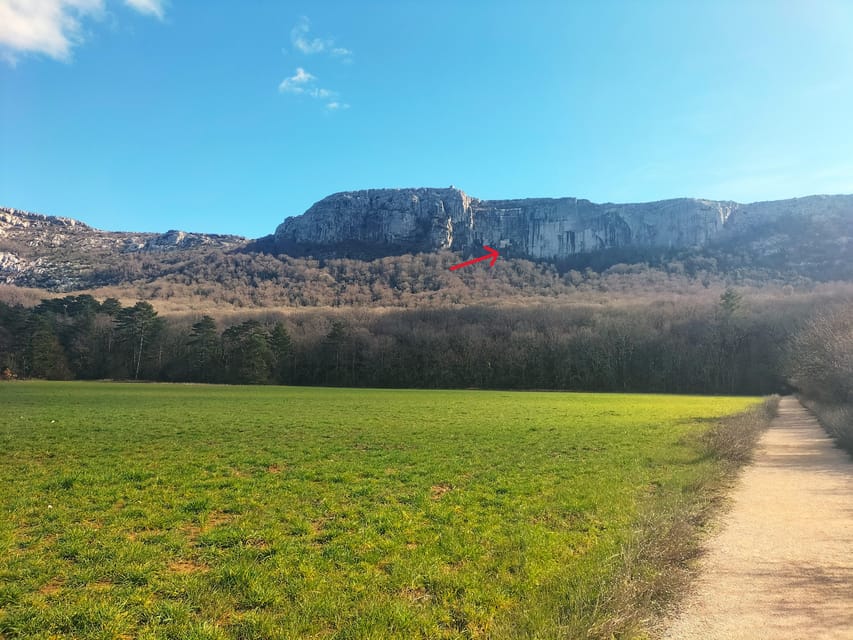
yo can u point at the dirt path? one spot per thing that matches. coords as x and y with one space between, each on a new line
782 564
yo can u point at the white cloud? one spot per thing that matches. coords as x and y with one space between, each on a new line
303 83
297 82
52 27
151 7
304 42
301 40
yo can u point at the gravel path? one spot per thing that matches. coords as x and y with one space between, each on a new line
782 564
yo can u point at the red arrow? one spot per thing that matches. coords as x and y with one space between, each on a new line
491 254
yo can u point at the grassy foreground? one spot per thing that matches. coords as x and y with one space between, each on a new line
179 511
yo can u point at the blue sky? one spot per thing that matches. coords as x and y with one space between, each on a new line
227 117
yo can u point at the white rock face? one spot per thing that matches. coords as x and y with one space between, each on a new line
553 228
15 219
431 219
10 264
403 217
176 240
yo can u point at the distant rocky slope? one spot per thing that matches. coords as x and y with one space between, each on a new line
385 221
65 254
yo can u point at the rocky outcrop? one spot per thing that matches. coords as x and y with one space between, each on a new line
17 219
36 229
394 220
176 240
65 254
408 219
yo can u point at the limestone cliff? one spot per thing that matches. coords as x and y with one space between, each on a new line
409 219
389 220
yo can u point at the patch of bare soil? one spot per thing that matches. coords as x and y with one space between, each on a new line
781 566
51 587
185 566
438 490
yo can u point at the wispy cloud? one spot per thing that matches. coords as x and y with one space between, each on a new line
150 7
304 42
303 83
53 27
298 82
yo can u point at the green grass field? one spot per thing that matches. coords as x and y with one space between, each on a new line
181 511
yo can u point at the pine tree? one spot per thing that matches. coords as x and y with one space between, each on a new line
282 350
137 326
47 357
729 338
334 352
205 351
730 302
247 353
110 306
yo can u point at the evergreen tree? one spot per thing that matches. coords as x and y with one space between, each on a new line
137 327
335 353
247 353
110 306
13 336
730 302
728 340
47 357
282 350
258 358
205 351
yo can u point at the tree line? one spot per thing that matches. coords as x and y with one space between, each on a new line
820 365
722 345
79 337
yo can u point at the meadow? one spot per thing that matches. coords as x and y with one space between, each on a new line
193 511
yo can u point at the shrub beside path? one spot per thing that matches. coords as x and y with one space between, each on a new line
781 566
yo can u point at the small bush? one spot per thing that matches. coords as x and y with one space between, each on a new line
837 419
734 438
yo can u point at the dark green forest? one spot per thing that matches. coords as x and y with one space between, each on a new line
724 346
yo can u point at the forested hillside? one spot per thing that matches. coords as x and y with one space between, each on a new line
716 344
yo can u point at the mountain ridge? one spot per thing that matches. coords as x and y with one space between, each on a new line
807 236
427 219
